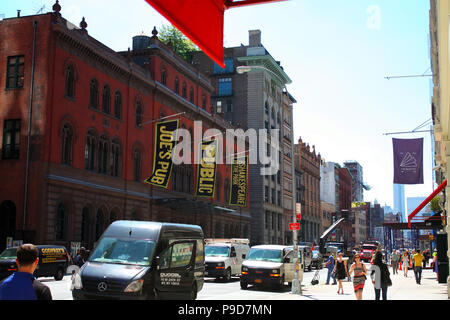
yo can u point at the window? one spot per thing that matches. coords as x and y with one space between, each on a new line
176 256
229 67
177 86
204 102
11 139
137 165
183 90
67 144
60 222
191 95
118 104
273 195
93 94
219 106
98 224
163 76
102 158
115 158
138 114
224 88
85 226
15 72
89 151
106 99
267 219
70 81
266 194
266 107
229 105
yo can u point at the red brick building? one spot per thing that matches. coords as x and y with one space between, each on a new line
345 206
77 132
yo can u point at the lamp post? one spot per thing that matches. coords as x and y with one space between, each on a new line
296 288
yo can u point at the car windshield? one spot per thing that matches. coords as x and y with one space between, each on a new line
217 251
259 254
123 251
9 254
369 247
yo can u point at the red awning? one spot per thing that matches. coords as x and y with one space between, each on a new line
425 202
201 21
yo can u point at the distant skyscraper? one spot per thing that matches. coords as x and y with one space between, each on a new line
356 171
399 201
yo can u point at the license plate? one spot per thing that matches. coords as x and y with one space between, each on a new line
258 281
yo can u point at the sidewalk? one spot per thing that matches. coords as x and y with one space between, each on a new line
402 289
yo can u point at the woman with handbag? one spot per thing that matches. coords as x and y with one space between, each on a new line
380 276
360 276
340 271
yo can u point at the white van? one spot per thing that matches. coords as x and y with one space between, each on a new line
224 257
271 265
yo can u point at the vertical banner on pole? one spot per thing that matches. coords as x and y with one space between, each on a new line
206 170
239 181
408 161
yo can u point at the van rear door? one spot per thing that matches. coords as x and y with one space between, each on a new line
175 270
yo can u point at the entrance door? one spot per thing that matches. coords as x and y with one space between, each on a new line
7 222
176 270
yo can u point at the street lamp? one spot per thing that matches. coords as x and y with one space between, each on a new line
296 288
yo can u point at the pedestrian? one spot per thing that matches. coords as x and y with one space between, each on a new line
426 256
417 262
405 263
80 257
360 276
394 261
22 285
434 264
330 266
380 276
340 270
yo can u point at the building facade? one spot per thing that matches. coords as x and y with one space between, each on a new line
307 161
258 100
356 171
77 132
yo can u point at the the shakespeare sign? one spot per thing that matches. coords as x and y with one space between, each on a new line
239 181
206 170
408 161
165 140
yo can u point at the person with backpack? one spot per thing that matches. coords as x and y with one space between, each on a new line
380 276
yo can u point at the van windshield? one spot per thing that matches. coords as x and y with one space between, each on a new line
217 251
369 247
9 254
259 254
123 251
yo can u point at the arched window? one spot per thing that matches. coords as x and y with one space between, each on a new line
115 158
138 114
85 225
93 94
183 90
137 159
177 86
163 76
67 144
191 94
60 224
89 151
112 216
118 104
103 152
70 81
106 99
98 224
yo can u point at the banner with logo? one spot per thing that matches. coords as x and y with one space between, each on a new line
408 161
162 159
206 170
239 181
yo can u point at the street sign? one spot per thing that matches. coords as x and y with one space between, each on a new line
294 226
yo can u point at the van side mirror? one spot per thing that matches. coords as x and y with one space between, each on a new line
243 256
233 254
286 260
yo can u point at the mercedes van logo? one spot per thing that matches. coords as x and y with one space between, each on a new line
102 286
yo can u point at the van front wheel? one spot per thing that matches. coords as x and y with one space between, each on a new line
227 276
59 274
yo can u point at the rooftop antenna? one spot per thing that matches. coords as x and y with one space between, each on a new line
41 9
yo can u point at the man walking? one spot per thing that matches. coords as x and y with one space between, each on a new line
19 285
394 260
417 262
330 266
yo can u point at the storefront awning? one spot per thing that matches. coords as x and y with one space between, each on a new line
201 21
426 201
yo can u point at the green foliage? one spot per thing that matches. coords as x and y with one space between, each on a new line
434 204
180 43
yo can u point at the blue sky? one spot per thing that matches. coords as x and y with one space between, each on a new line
337 53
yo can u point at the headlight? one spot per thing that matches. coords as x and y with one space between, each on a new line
244 268
276 271
220 264
134 286
76 282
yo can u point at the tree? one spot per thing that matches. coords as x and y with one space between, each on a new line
434 204
180 43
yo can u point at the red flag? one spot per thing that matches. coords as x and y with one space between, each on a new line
201 21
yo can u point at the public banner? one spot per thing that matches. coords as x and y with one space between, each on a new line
165 141
408 161
206 170
239 181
